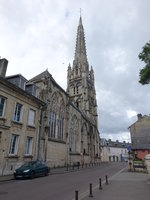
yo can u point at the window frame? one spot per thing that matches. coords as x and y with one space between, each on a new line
31 122
15 116
22 83
29 146
60 128
13 148
4 105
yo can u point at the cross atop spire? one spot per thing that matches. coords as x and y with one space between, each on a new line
80 12
80 20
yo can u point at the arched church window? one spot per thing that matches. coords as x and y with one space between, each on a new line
52 123
56 117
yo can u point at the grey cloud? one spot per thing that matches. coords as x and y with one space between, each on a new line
35 35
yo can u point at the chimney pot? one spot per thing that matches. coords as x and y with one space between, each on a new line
3 67
139 116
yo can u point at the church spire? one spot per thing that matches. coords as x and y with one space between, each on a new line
80 51
80 82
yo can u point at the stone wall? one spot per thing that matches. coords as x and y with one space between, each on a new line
9 162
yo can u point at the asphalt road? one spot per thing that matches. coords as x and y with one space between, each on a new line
58 186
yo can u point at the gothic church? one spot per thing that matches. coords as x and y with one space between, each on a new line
49 123
69 133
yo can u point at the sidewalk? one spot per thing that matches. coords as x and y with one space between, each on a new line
124 186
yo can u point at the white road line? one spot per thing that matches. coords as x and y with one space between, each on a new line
86 193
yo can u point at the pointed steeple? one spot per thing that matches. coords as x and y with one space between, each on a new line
80 51
80 82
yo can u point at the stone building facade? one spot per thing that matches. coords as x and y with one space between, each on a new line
114 151
40 120
140 136
19 121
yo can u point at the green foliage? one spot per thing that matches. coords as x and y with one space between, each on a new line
145 57
145 75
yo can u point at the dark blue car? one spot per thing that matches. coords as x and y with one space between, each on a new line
32 169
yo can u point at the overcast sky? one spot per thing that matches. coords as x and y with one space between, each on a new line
36 35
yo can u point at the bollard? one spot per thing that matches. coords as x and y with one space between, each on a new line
100 184
76 195
106 180
90 194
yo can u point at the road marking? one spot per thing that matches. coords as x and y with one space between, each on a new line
86 193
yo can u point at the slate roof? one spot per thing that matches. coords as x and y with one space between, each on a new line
117 144
42 76
5 82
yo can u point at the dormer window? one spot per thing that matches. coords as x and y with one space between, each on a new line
31 89
22 83
18 80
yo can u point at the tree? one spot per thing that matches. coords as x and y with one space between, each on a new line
145 72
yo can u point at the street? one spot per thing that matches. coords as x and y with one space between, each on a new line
58 186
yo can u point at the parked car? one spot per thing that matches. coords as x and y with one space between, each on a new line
32 169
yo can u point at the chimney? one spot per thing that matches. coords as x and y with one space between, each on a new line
3 67
139 116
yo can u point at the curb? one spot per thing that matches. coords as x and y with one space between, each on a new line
6 178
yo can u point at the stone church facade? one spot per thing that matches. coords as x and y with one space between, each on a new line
70 131
66 125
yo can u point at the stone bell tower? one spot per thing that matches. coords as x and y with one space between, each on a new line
80 80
